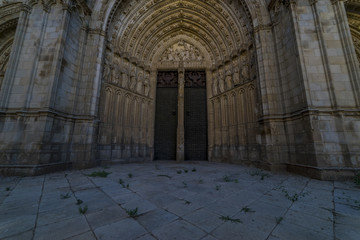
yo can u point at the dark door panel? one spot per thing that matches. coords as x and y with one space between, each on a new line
166 116
195 116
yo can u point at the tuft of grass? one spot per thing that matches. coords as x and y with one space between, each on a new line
357 179
186 170
83 210
79 202
187 202
247 210
102 174
193 170
227 218
279 220
164 175
218 187
7 189
293 197
132 212
227 178
130 175
260 173
178 171
121 181
65 196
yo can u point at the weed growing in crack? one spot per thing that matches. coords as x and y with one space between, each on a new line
227 178
193 170
102 174
292 197
7 189
79 202
121 181
164 175
130 175
185 171
65 196
218 187
357 179
83 210
279 220
260 173
247 210
178 171
132 212
227 218
187 202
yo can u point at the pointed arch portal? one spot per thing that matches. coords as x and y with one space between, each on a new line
148 39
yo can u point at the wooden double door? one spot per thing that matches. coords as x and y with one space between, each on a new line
194 116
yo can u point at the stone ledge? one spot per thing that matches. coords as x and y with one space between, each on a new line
324 173
33 170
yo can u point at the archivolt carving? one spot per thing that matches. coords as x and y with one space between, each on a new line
222 27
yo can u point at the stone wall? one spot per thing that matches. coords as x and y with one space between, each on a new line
78 88
41 129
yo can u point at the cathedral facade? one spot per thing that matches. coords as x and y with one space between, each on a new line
267 83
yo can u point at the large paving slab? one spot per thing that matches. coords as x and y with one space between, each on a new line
169 200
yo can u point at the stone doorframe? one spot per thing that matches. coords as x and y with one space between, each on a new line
202 62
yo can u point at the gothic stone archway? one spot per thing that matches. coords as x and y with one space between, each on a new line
145 38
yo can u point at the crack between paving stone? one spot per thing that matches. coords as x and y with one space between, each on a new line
87 221
302 190
333 211
250 204
120 205
39 202
18 179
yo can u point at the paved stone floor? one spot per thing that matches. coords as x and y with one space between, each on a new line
177 201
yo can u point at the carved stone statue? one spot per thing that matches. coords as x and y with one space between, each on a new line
147 84
244 74
133 78
236 73
228 79
107 69
221 81
140 83
215 84
124 75
116 74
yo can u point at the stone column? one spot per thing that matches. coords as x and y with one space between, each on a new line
180 146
